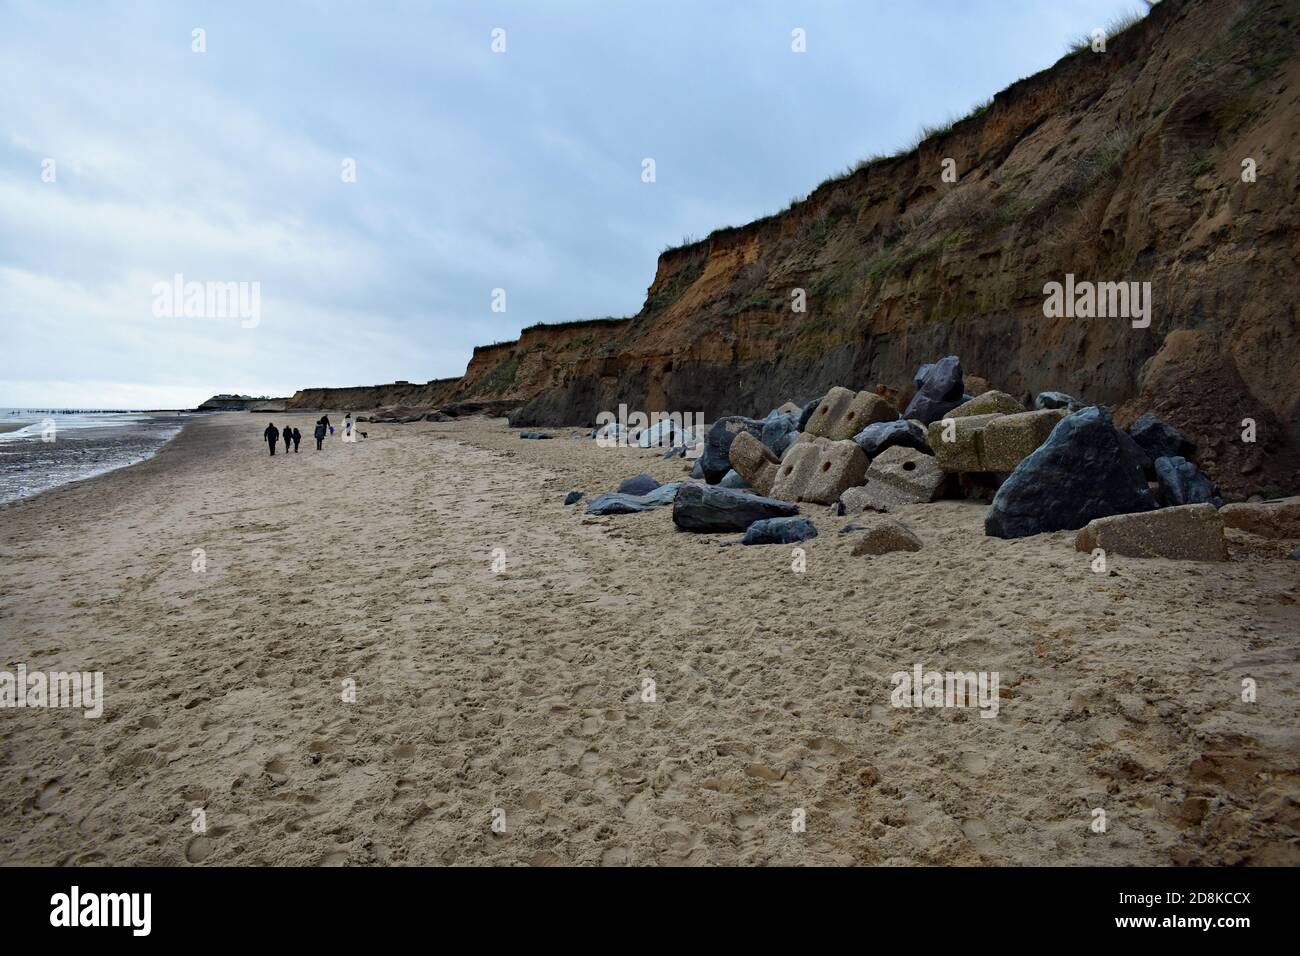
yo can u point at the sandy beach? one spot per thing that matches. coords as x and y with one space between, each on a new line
522 690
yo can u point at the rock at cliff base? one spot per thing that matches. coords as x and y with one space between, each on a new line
779 531
697 469
843 413
939 392
1160 440
716 461
955 442
709 508
875 438
1007 441
778 432
885 536
1083 471
807 413
733 479
899 476
1056 400
641 484
1182 483
621 504
536 436
1182 533
987 404
1268 519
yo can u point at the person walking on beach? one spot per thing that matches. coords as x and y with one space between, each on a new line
288 438
297 437
347 427
271 436
320 434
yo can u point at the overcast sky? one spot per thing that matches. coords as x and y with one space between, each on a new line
475 170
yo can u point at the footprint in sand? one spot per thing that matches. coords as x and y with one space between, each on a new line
198 849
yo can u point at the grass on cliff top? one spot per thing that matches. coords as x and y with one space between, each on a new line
1113 28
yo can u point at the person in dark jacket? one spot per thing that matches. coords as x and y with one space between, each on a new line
320 434
297 437
288 438
271 436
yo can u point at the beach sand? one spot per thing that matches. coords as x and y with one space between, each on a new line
522 691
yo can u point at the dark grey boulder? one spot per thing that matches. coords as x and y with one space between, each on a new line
876 437
1160 440
807 413
715 461
939 393
919 378
1055 400
641 484
1083 471
573 497
778 432
535 435
1182 483
1139 455
1294 555
697 470
708 508
732 479
779 531
677 451
620 504
852 526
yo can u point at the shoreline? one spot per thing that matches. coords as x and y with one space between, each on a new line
522 688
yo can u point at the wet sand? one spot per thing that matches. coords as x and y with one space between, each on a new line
522 691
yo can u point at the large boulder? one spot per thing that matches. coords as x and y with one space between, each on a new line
1160 440
620 504
708 508
1183 533
716 461
1182 483
899 476
754 461
1268 519
641 484
875 438
1083 471
819 471
664 433
987 404
779 531
938 392
843 413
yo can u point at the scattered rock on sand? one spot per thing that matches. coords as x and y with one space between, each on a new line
1083 471
754 461
716 461
779 531
708 508
641 484
843 413
1182 483
1268 519
884 536
819 471
573 497
938 391
1183 533
535 435
621 504
875 438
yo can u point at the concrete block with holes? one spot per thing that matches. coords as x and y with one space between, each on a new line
843 413
819 471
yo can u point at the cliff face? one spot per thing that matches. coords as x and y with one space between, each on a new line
1117 167
374 396
1123 166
